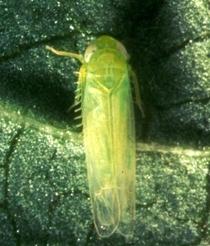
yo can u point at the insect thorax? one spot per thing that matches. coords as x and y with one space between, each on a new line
108 69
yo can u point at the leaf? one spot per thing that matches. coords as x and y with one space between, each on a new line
44 197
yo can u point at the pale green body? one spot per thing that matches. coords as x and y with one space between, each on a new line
109 135
109 138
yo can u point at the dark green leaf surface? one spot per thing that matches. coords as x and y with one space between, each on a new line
44 196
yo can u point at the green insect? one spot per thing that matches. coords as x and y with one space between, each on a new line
104 90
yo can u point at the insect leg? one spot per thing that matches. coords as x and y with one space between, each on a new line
138 100
75 104
79 92
66 53
77 99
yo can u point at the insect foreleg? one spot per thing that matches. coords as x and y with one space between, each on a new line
65 53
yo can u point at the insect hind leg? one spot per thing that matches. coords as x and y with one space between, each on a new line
138 100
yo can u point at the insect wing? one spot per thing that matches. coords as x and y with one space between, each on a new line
109 133
109 140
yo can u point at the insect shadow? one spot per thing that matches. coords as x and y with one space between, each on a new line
35 90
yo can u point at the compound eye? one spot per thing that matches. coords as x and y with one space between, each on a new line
89 52
123 50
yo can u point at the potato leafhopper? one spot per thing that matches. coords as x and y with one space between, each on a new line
104 90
